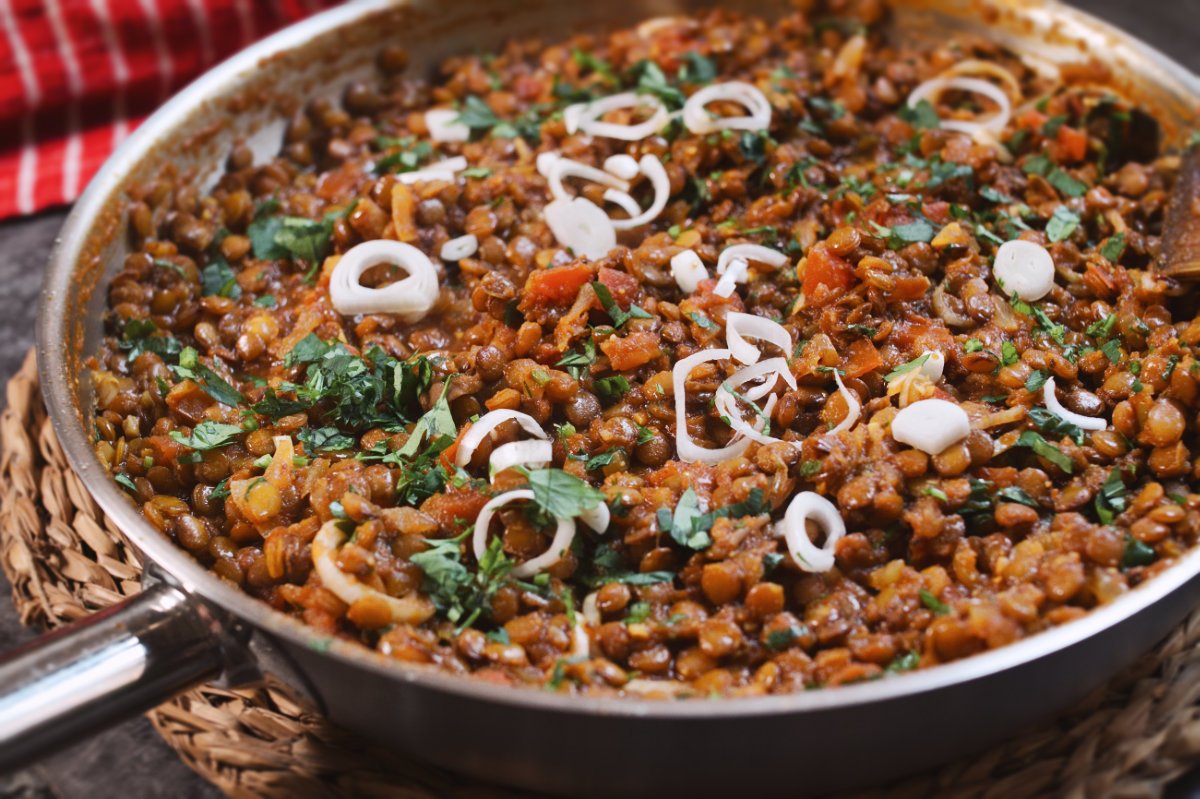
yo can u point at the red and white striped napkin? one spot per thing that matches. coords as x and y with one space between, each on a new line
76 76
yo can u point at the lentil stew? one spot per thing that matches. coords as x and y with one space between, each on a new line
930 248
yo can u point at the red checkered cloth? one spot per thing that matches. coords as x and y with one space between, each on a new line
76 76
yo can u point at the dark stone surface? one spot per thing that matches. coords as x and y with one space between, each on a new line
130 760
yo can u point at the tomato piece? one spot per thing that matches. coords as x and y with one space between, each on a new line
623 287
632 350
451 452
825 275
557 286
862 359
1031 119
1072 144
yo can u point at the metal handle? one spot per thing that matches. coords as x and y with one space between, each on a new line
117 663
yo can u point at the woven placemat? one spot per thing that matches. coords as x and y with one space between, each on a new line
65 559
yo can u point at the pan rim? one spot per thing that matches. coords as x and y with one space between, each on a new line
190 576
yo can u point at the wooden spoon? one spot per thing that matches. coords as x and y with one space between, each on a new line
1180 256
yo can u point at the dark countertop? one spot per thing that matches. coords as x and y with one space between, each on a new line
130 760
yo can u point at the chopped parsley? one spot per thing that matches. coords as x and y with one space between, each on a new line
208 435
1045 449
933 603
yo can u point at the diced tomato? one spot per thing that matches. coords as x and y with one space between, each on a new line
938 211
632 350
166 449
451 452
1072 144
623 287
862 359
1031 119
454 504
825 275
557 286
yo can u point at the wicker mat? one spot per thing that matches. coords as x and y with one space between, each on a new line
65 560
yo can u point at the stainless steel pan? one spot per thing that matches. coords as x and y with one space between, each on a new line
190 626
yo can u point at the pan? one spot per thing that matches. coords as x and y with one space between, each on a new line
188 626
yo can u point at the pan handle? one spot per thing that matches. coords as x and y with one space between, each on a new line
85 677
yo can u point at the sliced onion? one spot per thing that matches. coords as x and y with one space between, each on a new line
597 518
445 169
734 273
740 325
1024 268
976 66
688 270
561 168
623 201
443 125
804 507
581 225
622 166
934 365
411 609
520 453
853 406
409 299
564 534
652 168
726 403
587 117
932 89
768 367
487 424
687 449
460 248
581 645
931 425
698 120
545 163
749 252
589 610
1077 419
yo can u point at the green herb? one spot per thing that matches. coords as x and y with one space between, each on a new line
437 423
477 115
635 579
905 368
933 603
696 69
208 435
1018 495
974 345
936 493
652 80
810 468
702 320
460 595
561 495
1137 553
1114 248
778 640
1053 425
906 662
126 482
638 612
218 279
220 491
1009 354
577 363
1102 328
1066 184
1046 450
688 527
753 147
1112 350
922 116
138 337
992 194
265 301
324 439
619 317
1037 378
612 388
262 461
865 331
405 160
498 636
603 459
1111 498
1062 224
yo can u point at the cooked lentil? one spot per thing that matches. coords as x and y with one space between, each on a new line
226 412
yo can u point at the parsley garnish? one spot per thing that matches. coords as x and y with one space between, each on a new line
933 603
1052 425
208 435
905 368
1062 224
614 311
1045 449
